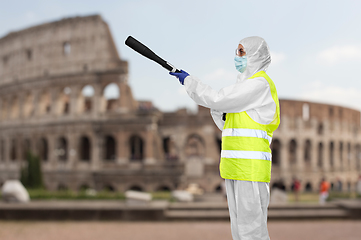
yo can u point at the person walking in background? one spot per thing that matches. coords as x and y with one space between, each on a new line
247 112
324 187
296 188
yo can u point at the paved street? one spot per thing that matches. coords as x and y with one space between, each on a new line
279 230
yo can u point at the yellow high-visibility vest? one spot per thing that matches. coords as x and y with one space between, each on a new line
246 153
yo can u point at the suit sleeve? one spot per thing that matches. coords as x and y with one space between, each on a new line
239 97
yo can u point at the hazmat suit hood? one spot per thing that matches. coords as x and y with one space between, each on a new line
258 56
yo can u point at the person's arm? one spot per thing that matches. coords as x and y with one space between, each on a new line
238 97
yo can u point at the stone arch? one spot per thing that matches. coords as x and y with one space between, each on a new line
308 187
83 187
64 101
218 188
276 152
320 154
2 149
136 188
292 148
195 146
84 148
26 148
163 188
136 144
358 156
86 96
349 155
109 187
3 109
218 140
320 129
332 152
44 102
28 107
110 152
111 94
307 151
341 154
62 187
43 149
13 148
170 148
14 107
62 149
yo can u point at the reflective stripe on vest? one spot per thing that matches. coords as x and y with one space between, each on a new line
244 132
246 153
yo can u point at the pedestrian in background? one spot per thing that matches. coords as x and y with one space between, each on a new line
296 188
324 187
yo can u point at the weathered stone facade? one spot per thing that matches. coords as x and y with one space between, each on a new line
87 140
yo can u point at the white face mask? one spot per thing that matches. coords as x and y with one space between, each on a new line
240 63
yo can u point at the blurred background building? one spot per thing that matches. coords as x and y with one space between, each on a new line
53 83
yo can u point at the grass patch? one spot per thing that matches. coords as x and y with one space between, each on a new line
42 194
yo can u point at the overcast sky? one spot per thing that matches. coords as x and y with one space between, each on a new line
315 45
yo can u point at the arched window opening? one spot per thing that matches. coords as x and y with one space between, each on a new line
2 150
320 155
293 151
110 148
66 48
332 158
43 149
44 104
169 148
87 93
84 187
65 99
358 156
218 189
109 188
14 108
320 129
13 150
305 112
26 148
349 154
307 153
84 148
62 149
330 111
308 187
219 143
341 154
195 146
111 94
28 107
136 188
136 148
62 187
163 189
276 152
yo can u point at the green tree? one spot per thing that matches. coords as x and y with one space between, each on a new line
31 175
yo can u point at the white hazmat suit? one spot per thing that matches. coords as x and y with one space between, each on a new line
247 200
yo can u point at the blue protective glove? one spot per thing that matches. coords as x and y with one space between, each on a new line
181 76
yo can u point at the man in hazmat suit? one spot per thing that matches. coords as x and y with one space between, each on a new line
247 113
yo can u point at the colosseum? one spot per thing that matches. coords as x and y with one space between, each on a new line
53 80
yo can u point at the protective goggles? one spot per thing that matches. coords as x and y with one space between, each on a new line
240 52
